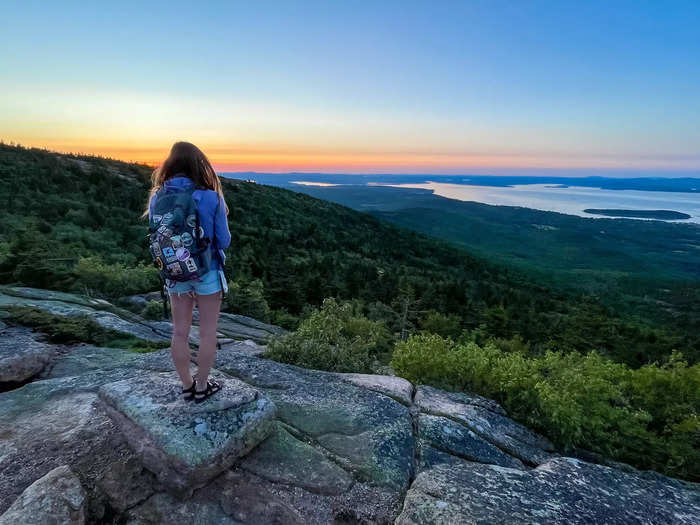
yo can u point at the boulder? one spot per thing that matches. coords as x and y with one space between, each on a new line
22 354
486 419
165 330
165 508
186 444
103 312
88 358
66 429
140 299
71 305
52 295
455 439
247 347
126 483
251 499
370 434
56 498
397 388
560 491
242 327
285 459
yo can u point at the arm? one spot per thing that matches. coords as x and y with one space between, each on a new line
221 231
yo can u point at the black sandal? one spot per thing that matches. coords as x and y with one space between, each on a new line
188 393
212 388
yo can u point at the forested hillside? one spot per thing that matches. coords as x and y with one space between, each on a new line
586 375
73 223
639 267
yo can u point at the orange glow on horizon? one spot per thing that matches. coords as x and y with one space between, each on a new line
242 158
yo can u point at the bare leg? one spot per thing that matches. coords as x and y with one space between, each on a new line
208 306
180 344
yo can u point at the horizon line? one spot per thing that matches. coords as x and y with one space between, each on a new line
610 172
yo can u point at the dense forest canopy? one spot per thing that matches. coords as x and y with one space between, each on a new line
73 223
639 267
360 294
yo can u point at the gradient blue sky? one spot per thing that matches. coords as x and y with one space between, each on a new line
428 87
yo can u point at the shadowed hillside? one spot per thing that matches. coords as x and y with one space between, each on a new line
73 223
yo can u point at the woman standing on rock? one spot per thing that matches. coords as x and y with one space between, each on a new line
188 234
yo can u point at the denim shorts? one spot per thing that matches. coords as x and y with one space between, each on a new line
211 282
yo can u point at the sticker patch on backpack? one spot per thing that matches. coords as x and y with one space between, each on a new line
186 239
191 221
169 254
176 241
182 254
174 269
191 265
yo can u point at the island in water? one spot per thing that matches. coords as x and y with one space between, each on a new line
665 215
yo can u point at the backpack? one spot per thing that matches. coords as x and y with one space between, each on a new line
176 239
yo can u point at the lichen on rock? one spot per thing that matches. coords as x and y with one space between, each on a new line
282 445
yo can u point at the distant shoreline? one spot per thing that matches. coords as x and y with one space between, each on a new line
689 185
665 215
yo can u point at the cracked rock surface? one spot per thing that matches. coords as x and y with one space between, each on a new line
57 497
101 435
187 444
22 354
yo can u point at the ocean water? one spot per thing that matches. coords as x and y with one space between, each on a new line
566 199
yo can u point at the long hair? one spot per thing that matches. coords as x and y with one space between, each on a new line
188 159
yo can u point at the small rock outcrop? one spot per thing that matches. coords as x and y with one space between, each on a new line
562 490
231 327
56 498
281 445
485 418
187 444
22 354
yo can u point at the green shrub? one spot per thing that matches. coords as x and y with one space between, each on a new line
94 276
284 319
248 299
647 417
153 310
442 324
332 338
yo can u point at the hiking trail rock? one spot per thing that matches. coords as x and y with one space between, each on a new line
56 498
369 433
279 444
562 490
184 443
487 419
22 354
242 327
395 387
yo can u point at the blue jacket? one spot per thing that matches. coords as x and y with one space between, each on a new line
212 216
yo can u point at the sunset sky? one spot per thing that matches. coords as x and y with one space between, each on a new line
360 87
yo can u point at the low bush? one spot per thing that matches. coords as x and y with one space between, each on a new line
153 310
247 298
93 276
332 338
647 417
